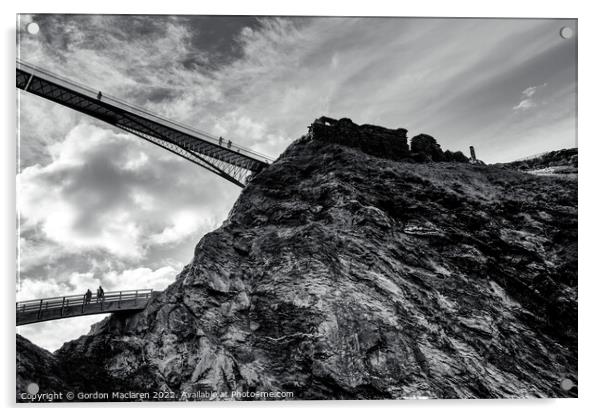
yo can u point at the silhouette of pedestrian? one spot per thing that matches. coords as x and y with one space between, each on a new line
100 294
221 140
99 96
88 296
229 144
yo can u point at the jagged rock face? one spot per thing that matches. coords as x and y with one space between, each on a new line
340 274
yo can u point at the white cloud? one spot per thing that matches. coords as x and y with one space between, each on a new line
49 288
49 196
524 104
101 192
528 98
529 92
184 223
33 253
140 278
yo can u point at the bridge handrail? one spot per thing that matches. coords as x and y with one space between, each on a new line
143 112
139 291
78 300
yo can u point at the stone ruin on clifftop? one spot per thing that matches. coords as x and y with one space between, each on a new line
383 142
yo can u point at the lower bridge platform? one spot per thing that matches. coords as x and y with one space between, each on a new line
40 310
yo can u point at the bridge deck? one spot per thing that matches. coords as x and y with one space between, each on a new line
218 155
39 310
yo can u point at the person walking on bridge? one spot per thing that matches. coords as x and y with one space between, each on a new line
88 296
100 294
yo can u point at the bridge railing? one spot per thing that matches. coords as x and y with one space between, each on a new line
39 305
84 89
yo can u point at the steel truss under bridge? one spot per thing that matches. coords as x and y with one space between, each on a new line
224 158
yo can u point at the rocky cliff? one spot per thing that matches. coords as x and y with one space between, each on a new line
36 365
358 267
557 163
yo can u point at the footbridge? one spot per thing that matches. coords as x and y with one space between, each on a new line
216 154
40 310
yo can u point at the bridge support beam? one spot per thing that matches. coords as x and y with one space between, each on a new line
232 162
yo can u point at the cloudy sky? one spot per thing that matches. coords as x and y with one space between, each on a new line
99 206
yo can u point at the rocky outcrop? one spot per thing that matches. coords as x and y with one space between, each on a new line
382 142
559 163
428 146
38 371
564 157
347 270
372 140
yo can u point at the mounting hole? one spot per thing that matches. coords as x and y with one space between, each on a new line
33 388
567 384
566 32
33 28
